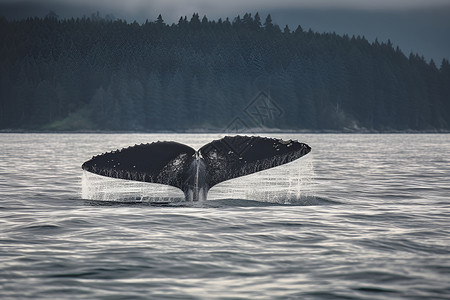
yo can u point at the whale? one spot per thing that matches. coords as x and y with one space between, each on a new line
196 171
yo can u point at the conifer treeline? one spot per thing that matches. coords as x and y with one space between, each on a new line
95 73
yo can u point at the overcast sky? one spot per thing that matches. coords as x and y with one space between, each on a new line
419 26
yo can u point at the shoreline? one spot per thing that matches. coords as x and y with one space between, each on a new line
250 132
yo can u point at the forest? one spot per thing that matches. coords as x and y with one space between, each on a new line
241 74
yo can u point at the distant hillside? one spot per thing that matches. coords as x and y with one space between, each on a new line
104 74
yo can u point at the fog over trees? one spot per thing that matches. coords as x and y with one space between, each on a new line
104 74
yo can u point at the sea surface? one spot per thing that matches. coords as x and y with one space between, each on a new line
363 216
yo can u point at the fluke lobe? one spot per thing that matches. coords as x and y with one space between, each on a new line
195 172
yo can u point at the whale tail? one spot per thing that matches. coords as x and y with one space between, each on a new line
195 172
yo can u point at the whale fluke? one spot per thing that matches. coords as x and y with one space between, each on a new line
195 172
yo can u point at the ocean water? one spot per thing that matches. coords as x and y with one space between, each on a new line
360 217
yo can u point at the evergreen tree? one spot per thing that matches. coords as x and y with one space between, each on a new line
159 21
268 23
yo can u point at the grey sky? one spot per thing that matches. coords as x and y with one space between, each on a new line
231 5
420 26
175 8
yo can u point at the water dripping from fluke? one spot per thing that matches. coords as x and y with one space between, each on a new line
156 173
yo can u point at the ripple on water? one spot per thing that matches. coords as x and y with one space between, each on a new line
368 222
